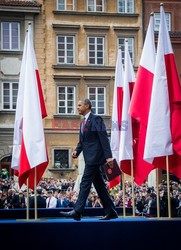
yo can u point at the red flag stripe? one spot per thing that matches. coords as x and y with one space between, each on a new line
142 95
42 103
139 109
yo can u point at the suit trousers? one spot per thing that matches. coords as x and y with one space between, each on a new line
92 174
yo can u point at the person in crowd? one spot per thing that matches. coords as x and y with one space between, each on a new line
62 201
73 200
97 202
1 200
41 202
179 205
51 201
140 205
12 199
21 200
4 174
5 186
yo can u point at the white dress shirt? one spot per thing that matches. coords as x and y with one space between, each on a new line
51 202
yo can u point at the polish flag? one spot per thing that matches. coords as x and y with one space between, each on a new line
29 149
126 138
140 103
163 136
117 114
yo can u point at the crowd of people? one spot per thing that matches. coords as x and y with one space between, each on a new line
60 193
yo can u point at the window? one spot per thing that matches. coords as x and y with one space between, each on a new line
121 43
157 21
10 34
97 96
96 50
65 49
9 95
66 100
95 5
126 6
65 5
61 158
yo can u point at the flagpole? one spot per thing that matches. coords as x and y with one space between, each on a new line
28 203
35 194
158 195
132 182
168 188
123 188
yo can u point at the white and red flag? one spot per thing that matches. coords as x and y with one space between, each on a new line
163 137
29 148
126 138
117 114
140 103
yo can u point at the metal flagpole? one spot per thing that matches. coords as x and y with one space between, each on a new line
132 182
35 194
123 187
158 195
28 202
168 188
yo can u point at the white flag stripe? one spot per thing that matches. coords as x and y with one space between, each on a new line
149 45
166 40
158 137
115 131
32 117
17 139
126 139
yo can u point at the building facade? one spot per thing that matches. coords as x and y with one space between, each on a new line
173 17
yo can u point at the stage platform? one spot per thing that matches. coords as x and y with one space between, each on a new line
49 213
91 234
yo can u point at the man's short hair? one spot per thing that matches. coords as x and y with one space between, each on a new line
50 191
39 191
87 102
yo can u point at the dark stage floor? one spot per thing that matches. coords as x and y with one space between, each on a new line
90 233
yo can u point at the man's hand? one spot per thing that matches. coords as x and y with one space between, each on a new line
74 154
109 160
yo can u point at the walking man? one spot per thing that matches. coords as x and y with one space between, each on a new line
94 143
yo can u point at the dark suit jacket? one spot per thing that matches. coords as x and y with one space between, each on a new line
94 142
65 203
41 202
13 200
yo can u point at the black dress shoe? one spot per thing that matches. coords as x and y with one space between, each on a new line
109 216
72 214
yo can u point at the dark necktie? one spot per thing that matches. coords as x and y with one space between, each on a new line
49 202
82 125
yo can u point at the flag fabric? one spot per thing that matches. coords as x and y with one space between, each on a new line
140 100
163 136
158 137
127 141
126 138
117 114
140 103
29 148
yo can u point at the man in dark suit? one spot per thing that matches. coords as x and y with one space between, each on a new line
94 143
41 202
